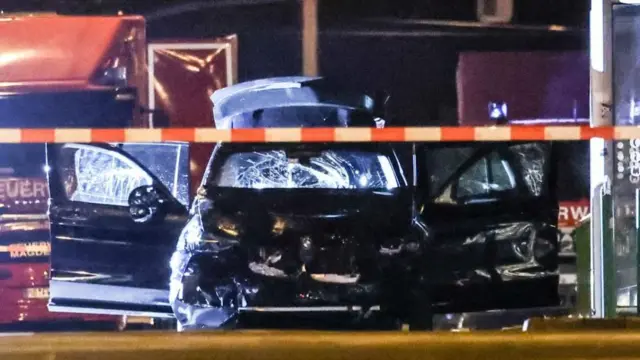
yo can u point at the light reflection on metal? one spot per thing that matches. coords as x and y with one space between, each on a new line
549 121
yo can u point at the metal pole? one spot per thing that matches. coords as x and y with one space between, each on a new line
601 163
310 37
601 54
583 267
637 249
596 278
608 257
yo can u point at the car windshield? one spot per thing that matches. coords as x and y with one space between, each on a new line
327 169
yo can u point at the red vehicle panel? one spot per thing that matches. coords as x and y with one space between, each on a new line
87 54
535 85
182 77
79 54
73 56
24 253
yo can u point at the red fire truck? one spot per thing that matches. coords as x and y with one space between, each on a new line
81 71
24 243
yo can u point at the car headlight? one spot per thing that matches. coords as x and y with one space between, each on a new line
195 238
228 227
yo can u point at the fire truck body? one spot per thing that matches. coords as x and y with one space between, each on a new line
89 72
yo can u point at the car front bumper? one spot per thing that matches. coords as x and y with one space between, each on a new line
209 295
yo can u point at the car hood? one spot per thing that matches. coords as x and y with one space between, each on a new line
266 214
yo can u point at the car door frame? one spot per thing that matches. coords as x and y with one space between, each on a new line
482 253
105 295
548 191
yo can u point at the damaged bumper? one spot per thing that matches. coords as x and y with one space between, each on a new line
212 291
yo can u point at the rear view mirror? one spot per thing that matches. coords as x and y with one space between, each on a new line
146 204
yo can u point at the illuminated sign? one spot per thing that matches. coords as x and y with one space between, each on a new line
26 250
628 162
569 215
23 189
37 293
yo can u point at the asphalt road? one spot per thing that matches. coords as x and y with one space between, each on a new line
265 345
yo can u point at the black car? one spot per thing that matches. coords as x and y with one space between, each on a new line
399 229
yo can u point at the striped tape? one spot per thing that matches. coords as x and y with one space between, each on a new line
398 134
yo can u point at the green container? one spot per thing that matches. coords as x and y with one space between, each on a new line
582 239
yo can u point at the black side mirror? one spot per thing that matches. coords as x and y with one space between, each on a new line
146 204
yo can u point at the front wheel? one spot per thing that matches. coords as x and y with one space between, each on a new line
165 324
413 309
419 311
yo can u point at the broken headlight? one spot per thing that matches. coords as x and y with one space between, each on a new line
194 237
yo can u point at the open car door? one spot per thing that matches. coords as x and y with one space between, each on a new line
492 214
116 212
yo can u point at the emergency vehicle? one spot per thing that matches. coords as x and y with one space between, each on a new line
92 72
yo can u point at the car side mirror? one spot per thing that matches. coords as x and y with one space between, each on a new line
146 204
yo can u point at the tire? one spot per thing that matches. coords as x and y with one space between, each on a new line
165 324
420 317
409 303
420 311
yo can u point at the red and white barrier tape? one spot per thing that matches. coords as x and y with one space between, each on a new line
391 134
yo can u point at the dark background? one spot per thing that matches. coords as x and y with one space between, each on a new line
364 44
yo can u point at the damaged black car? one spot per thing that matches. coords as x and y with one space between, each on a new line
295 228
401 230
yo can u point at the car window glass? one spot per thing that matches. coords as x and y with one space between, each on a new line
502 177
487 175
532 158
330 169
441 163
474 181
168 162
99 176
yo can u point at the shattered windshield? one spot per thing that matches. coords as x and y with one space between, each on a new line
328 169
98 176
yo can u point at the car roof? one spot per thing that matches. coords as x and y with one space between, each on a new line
280 101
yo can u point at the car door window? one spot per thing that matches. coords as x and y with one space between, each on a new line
488 175
168 162
532 159
99 176
474 181
442 163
